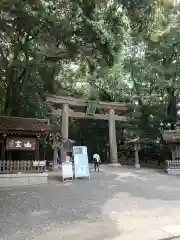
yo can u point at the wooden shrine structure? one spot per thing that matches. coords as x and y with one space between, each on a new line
113 111
19 135
173 140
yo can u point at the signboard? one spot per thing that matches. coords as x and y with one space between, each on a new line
39 163
28 144
91 108
81 165
67 170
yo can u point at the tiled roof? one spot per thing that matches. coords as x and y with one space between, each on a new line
26 125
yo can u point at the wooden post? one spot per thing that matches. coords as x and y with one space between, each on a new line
3 147
173 153
136 148
64 128
112 137
37 151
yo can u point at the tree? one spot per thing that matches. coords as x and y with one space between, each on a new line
126 51
37 39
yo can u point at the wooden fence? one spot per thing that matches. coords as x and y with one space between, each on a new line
13 166
173 166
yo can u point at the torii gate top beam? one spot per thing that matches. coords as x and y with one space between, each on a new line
82 103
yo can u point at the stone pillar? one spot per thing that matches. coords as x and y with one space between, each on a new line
136 148
64 128
112 138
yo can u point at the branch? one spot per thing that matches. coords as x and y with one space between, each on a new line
5 61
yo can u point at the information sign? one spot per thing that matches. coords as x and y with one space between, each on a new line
39 163
67 170
81 165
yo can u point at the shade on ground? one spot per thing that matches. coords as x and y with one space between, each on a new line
110 205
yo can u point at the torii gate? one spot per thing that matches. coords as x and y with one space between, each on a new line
66 112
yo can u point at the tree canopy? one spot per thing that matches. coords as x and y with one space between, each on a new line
126 51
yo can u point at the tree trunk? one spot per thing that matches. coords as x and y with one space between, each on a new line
8 99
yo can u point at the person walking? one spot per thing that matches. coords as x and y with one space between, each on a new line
96 159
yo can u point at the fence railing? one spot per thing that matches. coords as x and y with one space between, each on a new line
172 166
13 166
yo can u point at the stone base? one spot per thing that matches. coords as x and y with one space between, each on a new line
114 164
137 166
22 179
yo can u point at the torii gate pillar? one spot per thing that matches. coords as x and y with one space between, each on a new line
64 127
112 138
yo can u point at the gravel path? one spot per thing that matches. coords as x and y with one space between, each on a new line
109 205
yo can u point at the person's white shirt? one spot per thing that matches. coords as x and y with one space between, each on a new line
97 157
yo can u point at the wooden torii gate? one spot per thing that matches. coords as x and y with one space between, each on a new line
66 112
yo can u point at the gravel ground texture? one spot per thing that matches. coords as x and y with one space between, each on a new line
115 202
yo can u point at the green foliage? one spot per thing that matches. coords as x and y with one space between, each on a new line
126 51
38 38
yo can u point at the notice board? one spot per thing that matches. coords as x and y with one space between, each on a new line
67 170
81 164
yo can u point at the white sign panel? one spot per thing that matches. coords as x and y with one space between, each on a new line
39 163
81 165
67 170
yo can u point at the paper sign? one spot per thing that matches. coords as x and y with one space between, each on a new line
67 170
